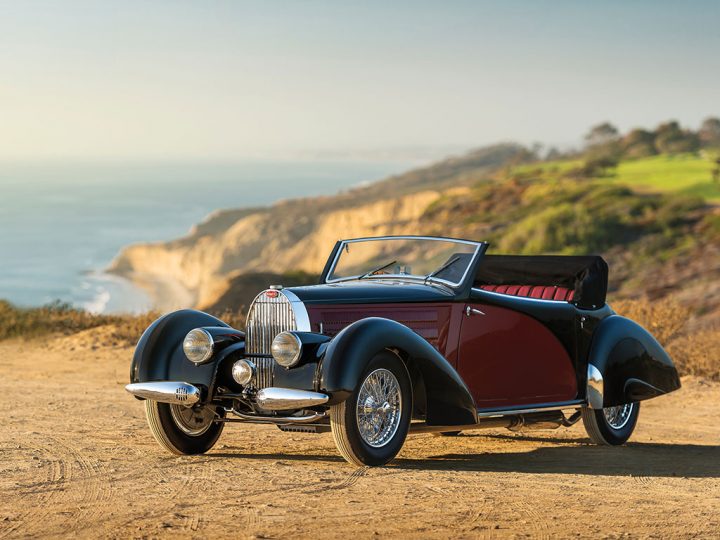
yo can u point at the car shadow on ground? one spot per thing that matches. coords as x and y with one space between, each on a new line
642 460
634 459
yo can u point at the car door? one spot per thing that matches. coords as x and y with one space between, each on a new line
508 359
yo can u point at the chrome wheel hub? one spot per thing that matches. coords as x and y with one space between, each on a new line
193 421
618 417
379 408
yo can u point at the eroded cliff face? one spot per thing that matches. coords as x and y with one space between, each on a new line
298 234
293 235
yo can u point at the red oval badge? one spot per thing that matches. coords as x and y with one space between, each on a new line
271 293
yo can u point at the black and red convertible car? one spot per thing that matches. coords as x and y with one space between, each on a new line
403 335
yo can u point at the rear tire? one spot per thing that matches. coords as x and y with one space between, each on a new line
612 425
370 426
183 430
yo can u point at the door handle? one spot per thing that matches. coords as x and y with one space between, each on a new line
472 311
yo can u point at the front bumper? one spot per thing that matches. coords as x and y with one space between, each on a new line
177 393
268 399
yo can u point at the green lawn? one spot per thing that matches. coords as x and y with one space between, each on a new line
686 173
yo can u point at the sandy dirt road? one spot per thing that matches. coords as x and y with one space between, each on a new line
77 459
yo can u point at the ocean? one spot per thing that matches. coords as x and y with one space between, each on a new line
61 224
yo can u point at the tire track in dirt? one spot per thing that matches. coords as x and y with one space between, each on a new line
37 498
90 488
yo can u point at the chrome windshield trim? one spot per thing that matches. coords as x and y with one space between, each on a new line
478 247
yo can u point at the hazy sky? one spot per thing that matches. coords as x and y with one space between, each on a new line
232 79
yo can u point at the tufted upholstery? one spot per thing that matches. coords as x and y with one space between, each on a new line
544 292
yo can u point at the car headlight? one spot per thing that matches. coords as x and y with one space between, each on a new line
198 345
243 371
286 349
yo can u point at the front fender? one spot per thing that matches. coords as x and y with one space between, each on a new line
627 364
448 399
159 355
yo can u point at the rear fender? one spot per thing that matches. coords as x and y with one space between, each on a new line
448 399
627 364
159 354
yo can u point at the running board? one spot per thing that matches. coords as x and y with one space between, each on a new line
529 409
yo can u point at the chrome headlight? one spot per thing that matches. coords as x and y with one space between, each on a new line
198 345
286 349
243 371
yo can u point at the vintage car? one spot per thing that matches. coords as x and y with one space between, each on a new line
406 335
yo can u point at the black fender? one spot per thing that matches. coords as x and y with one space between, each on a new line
449 402
159 355
626 364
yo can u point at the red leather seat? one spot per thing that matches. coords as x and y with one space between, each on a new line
543 292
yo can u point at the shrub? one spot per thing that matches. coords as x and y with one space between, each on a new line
694 353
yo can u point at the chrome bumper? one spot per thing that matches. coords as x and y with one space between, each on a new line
286 399
178 393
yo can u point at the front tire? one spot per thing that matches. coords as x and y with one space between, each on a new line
612 425
370 426
183 430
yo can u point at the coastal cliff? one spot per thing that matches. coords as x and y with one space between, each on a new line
296 235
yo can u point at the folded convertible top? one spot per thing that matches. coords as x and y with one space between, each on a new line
587 275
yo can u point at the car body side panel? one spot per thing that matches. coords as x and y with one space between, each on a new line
437 323
633 365
508 358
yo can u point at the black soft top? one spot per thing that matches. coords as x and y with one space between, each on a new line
587 275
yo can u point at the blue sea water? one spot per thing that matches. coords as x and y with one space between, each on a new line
61 224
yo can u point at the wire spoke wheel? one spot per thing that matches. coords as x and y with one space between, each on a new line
379 408
618 417
193 421
611 425
370 426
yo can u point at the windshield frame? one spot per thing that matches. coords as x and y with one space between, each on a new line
337 252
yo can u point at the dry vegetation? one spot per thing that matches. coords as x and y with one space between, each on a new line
694 353
58 318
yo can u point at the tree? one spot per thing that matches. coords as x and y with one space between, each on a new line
709 133
639 143
602 151
601 135
670 138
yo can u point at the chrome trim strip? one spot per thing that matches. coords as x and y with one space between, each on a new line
302 319
178 393
285 399
575 404
595 387
475 289
477 245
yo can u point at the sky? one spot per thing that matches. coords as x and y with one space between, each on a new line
225 80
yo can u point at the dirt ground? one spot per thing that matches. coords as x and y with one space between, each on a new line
77 459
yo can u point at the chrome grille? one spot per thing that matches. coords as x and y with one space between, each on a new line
269 314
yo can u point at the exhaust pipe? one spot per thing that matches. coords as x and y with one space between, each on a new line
177 393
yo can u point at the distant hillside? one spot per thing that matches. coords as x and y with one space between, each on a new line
648 207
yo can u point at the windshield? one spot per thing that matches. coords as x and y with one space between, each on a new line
404 257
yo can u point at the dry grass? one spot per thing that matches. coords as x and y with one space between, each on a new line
694 353
58 318
664 318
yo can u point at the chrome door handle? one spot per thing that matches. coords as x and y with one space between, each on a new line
472 311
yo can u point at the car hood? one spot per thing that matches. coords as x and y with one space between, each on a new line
375 292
